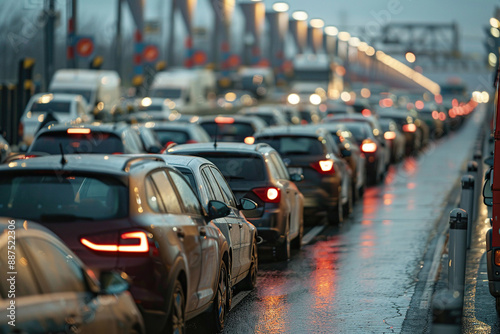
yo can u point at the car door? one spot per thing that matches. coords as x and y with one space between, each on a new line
240 227
208 238
228 226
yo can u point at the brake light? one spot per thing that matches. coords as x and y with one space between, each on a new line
268 194
323 166
191 141
435 114
20 129
368 146
366 112
249 140
129 242
390 135
224 120
409 128
80 131
497 257
442 116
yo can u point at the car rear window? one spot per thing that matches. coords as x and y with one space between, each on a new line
294 145
238 167
62 198
360 131
52 106
94 142
165 136
236 131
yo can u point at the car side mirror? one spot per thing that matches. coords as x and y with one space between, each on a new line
217 209
296 177
247 204
487 192
112 283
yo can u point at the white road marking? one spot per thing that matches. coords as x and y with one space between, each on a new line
431 277
238 298
311 234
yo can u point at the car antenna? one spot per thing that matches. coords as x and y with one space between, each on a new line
216 134
63 159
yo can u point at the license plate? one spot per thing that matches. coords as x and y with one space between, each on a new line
295 170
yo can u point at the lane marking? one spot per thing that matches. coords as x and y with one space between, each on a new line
238 298
311 234
431 277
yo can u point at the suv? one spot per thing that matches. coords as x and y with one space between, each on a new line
107 138
257 172
312 152
132 214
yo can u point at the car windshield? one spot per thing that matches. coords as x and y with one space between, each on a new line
238 167
360 131
294 145
54 106
94 142
86 93
236 131
166 136
167 93
59 197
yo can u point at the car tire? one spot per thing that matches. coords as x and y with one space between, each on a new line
335 216
348 207
283 250
250 282
297 242
176 319
219 310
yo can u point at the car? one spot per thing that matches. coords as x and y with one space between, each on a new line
292 114
309 114
257 172
132 214
179 133
232 128
332 108
241 235
54 108
312 152
114 138
434 119
268 113
369 146
5 150
155 106
54 291
236 98
395 139
149 139
407 125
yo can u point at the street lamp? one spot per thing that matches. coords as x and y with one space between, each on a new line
494 22
344 36
317 23
281 7
354 41
300 15
331 31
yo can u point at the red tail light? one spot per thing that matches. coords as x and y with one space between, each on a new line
128 242
224 120
191 141
366 112
389 135
368 146
249 140
20 129
268 194
324 166
409 128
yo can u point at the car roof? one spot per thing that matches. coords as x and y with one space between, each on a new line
58 97
237 118
222 147
193 162
312 130
91 163
171 125
116 128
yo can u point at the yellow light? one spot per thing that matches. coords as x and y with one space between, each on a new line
230 96
485 97
492 59
410 57
495 32
45 98
317 23
354 41
370 51
365 92
344 36
146 102
249 140
300 15
331 31
345 96
380 55
315 99
363 46
281 7
293 99
494 22
41 118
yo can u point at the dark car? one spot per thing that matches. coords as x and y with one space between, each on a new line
312 152
149 139
406 124
210 185
395 139
309 114
108 139
135 215
54 291
180 133
258 173
5 149
268 113
333 107
292 114
232 128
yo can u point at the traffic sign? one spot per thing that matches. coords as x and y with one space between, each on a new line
150 53
84 46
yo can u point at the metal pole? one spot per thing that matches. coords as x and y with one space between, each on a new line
49 42
171 36
70 56
467 203
472 169
457 249
118 38
447 309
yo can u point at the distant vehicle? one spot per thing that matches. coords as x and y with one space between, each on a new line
312 152
59 108
136 215
395 139
100 88
186 88
258 80
155 106
334 107
115 138
258 173
268 113
179 133
232 128
209 184
5 149
309 114
56 292
291 113
236 98
149 139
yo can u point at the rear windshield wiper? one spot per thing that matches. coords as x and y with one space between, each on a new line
62 218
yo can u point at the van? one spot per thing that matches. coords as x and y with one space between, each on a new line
100 88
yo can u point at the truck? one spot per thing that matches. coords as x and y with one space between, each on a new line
100 88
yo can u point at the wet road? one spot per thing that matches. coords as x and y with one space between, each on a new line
376 272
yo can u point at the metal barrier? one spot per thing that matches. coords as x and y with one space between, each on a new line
467 203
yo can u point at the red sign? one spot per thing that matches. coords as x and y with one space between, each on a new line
150 53
200 58
84 47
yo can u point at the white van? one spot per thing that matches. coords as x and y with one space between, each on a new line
63 108
100 88
187 88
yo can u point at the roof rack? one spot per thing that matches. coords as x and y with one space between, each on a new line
139 160
261 145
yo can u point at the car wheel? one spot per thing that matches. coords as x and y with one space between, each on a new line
297 242
335 215
283 251
219 308
176 321
250 282
347 209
